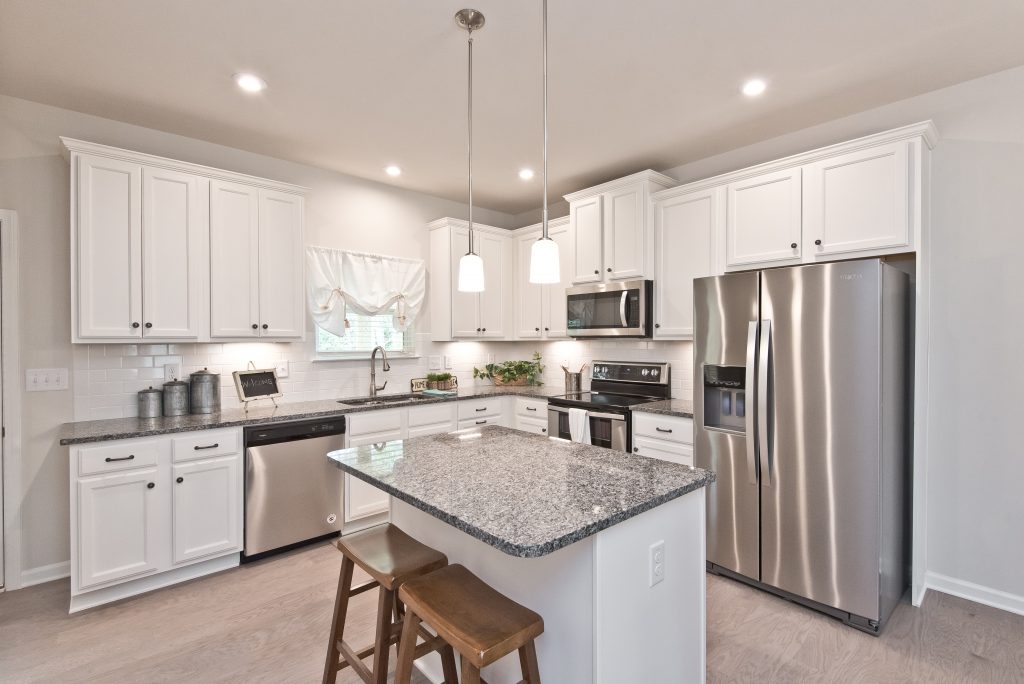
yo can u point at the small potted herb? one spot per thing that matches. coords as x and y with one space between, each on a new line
439 381
512 373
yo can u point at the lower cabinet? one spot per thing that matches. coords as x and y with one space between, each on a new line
669 438
205 508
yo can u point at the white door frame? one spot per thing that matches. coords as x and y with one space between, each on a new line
10 358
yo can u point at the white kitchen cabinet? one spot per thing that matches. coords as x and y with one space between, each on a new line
497 279
540 309
665 451
282 309
858 201
372 428
669 438
624 232
585 216
206 503
763 222
686 231
529 296
120 528
431 419
531 415
555 314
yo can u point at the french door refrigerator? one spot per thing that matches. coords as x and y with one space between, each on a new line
801 410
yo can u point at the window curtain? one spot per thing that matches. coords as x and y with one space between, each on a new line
369 284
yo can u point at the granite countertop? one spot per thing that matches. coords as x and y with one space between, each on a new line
524 494
682 408
128 428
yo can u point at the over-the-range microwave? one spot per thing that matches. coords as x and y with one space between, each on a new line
620 309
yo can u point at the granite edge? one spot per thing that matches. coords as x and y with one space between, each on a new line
663 410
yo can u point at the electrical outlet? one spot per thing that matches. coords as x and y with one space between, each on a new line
172 371
435 363
490 358
657 562
46 379
282 369
447 362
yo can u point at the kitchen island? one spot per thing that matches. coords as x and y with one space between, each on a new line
607 547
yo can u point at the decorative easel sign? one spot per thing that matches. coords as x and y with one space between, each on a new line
256 384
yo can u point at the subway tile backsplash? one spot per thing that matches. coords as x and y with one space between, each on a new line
107 377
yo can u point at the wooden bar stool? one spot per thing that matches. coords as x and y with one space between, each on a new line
481 624
390 557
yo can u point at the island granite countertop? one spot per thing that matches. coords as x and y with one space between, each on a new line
681 408
524 494
128 428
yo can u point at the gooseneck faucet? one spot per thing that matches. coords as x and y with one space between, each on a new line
373 370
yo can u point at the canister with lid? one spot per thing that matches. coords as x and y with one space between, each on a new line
204 391
176 398
151 403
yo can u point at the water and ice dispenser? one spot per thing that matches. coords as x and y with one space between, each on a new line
725 398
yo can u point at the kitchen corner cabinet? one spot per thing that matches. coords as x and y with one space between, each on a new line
164 250
541 309
613 240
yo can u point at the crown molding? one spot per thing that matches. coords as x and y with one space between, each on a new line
648 175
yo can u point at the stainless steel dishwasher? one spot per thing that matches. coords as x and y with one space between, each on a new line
293 495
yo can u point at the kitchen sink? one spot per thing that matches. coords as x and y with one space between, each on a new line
384 401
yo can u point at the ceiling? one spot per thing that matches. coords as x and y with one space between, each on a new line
355 85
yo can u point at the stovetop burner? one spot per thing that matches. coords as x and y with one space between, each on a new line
602 399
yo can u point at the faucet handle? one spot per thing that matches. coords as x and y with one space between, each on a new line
381 388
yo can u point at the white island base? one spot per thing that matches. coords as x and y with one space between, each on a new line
604 623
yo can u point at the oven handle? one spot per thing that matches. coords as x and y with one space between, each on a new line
592 414
622 308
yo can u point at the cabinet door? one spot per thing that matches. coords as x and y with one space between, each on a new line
465 305
170 255
362 499
496 278
529 296
624 233
665 451
109 237
282 311
555 314
684 248
763 219
119 527
234 260
585 218
858 201
206 507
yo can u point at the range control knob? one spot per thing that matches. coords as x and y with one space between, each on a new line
645 372
654 372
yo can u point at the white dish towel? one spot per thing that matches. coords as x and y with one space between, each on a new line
579 425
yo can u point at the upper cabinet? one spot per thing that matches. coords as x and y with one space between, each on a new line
540 309
613 238
763 219
168 251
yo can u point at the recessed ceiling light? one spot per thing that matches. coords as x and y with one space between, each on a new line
393 171
525 174
754 87
250 83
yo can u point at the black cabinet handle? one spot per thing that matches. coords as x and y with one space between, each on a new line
792 245
546 329
537 329
663 429
636 450
609 269
818 242
543 429
265 326
657 325
478 329
135 325
480 409
480 422
208 446
149 325
596 272
180 480
531 408
123 458
150 485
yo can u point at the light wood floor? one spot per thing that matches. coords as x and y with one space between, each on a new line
268 621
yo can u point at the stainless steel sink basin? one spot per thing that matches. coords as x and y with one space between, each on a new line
384 401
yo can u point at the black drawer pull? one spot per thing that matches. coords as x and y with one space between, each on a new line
123 458
180 480
636 450
208 446
531 408
480 422
543 429
150 485
481 409
663 429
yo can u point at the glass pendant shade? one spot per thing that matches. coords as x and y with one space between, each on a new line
544 262
471 273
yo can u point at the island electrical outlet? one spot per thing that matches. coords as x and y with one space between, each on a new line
657 562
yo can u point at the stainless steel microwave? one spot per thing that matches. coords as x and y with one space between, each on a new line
621 309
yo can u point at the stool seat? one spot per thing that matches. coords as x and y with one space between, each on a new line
389 555
480 623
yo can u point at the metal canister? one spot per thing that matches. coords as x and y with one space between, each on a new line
176 398
204 391
151 403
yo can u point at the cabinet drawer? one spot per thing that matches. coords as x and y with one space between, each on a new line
205 444
668 428
118 456
480 408
532 408
663 450
480 422
372 422
532 425
431 414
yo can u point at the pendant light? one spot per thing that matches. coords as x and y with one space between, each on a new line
544 262
471 266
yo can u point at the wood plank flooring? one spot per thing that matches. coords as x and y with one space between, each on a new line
268 621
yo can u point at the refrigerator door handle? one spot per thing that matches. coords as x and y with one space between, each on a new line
622 309
764 358
750 384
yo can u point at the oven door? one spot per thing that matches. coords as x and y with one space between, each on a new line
609 430
610 309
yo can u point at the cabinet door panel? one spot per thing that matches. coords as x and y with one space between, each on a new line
585 218
362 499
465 305
624 234
119 531
206 508
170 230
109 241
529 296
555 317
496 278
684 239
858 201
282 313
763 219
234 260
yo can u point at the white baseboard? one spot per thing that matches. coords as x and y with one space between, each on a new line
45 573
975 592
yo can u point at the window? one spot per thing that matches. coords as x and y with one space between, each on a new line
363 335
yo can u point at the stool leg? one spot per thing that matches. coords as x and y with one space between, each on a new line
407 650
528 661
451 674
338 623
385 608
470 673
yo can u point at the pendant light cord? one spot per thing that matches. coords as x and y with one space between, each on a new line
544 213
469 105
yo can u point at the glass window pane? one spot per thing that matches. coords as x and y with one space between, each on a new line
364 333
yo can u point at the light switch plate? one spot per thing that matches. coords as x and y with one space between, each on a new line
46 379
435 363
447 361
282 369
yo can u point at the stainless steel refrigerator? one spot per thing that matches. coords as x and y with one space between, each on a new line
801 409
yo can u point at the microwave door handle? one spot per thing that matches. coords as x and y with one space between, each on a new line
764 360
750 387
622 308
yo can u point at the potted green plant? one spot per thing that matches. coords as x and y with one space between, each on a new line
512 373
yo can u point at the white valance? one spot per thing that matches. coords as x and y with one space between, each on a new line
367 283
